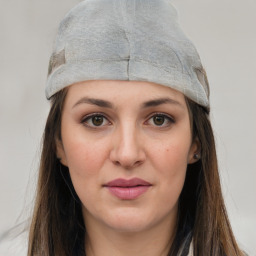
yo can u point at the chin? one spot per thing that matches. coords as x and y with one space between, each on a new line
128 227
129 221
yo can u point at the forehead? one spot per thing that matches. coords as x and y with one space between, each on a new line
120 91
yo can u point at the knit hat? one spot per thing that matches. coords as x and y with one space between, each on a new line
135 40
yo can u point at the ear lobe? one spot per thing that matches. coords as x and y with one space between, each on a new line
60 152
194 152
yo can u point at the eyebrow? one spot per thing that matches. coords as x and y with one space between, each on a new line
157 102
107 104
97 102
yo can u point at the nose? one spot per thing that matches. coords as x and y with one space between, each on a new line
127 150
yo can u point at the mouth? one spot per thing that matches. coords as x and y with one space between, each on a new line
128 189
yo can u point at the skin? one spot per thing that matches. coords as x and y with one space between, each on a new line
133 139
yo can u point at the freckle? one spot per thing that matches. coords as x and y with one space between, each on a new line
167 150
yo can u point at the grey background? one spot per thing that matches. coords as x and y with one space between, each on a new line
225 35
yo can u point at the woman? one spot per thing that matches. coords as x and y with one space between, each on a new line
128 164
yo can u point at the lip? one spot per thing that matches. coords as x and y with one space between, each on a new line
128 189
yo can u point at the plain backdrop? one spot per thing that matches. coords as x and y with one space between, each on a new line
224 32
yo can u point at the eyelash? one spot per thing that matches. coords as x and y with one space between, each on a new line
170 120
89 117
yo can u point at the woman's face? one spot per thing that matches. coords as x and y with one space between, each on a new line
127 145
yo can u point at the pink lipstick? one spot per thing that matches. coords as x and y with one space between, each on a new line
128 189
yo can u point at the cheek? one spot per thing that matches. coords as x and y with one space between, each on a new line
170 158
170 162
85 161
173 168
84 156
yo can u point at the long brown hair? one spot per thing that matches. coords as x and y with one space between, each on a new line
57 227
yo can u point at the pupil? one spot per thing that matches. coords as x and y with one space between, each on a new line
97 120
158 120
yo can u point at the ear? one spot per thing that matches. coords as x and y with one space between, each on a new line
194 153
60 152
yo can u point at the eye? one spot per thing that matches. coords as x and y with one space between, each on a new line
161 120
95 120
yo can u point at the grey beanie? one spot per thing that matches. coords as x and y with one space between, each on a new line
136 40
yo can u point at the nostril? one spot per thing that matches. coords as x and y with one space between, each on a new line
128 165
116 163
138 163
